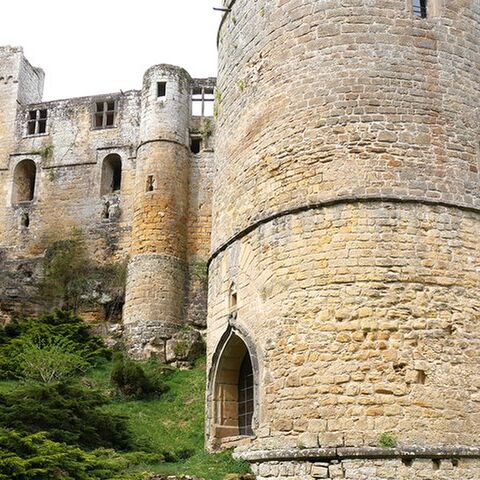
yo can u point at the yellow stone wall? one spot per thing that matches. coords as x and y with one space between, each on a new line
347 211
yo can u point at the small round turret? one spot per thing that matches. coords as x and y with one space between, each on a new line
156 274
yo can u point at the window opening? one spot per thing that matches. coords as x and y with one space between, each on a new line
150 183
24 181
203 99
195 144
420 8
161 89
232 300
37 122
111 174
104 114
245 397
25 220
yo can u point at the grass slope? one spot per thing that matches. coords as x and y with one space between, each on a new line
173 423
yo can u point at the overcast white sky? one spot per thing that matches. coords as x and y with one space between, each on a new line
90 47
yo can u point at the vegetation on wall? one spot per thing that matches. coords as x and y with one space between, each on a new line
71 279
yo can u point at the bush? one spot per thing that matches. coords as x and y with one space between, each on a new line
50 360
130 379
68 413
35 457
58 328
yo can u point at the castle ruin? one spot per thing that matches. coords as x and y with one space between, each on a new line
338 216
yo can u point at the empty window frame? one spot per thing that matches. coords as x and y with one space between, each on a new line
161 89
104 114
37 122
195 144
203 99
419 8
24 178
111 174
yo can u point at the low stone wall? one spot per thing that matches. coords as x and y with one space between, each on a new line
366 463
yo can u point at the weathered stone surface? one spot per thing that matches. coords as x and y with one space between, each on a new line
165 232
346 213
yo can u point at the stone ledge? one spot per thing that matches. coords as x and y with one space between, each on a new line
344 453
363 199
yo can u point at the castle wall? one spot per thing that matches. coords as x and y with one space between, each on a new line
72 192
346 212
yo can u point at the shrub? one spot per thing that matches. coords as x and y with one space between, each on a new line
68 413
35 457
59 327
131 380
50 359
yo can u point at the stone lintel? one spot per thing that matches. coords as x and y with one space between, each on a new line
344 453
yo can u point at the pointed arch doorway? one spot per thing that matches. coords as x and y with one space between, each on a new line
234 388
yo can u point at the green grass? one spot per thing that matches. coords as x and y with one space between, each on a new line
172 425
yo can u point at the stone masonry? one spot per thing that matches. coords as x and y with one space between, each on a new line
165 232
345 255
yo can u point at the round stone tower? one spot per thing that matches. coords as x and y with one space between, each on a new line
344 296
156 273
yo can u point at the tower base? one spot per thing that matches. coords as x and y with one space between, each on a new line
366 463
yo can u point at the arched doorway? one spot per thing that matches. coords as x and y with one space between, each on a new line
234 389
24 181
111 174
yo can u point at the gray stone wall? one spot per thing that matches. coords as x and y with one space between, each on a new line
69 159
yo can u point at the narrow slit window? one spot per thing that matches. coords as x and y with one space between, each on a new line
161 89
233 298
150 183
104 114
420 8
37 122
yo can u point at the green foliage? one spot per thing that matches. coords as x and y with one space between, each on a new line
387 440
35 457
50 359
199 271
218 101
206 129
69 413
66 271
71 279
241 85
131 380
31 340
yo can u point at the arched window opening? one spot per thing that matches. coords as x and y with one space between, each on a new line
111 174
234 391
24 181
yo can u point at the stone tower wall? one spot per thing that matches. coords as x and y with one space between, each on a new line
346 212
157 276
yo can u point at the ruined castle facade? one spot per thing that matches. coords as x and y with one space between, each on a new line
345 258
132 171
339 218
